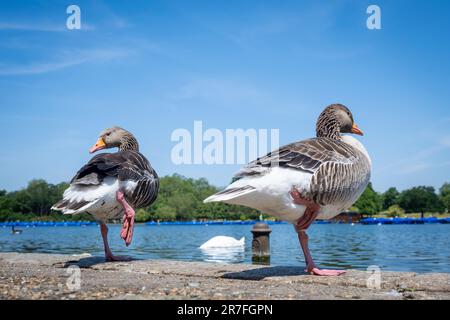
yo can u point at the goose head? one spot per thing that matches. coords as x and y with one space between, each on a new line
334 120
115 137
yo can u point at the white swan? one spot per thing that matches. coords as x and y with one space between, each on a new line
223 242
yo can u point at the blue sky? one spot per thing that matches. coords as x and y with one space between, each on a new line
155 66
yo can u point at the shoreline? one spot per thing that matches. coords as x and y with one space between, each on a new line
56 276
365 221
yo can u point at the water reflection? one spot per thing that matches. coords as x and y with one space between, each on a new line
224 255
418 248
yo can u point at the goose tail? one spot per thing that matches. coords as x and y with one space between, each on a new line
229 193
67 206
72 202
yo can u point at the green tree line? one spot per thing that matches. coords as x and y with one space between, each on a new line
419 199
181 198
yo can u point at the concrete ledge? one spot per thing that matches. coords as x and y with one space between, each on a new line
45 276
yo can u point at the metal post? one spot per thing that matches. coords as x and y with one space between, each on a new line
261 243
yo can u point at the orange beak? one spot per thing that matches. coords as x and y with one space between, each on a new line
98 146
356 130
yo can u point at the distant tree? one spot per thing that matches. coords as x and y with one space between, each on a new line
444 195
164 213
40 196
6 203
19 201
420 199
182 198
395 211
369 203
142 215
389 198
37 198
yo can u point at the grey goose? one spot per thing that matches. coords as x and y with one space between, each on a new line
305 180
112 185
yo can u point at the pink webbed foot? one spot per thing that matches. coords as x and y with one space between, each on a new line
128 219
127 227
325 272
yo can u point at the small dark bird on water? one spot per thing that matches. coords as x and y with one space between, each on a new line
15 231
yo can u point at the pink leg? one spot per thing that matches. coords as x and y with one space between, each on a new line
311 212
128 223
108 253
310 265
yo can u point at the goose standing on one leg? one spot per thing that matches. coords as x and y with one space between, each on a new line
305 180
112 185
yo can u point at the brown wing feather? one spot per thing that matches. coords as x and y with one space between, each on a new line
125 165
307 155
339 171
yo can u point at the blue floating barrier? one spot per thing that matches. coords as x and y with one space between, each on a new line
28 224
431 220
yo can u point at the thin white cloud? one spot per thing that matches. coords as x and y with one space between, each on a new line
308 22
118 22
38 68
231 93
219 90
414 168
445 141
69 60
18 26
109 17
421 160
249 33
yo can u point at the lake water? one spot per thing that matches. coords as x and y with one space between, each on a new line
418 248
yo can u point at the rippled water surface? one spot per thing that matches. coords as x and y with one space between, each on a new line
418 248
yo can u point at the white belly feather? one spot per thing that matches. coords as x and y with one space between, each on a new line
102 203
271 195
